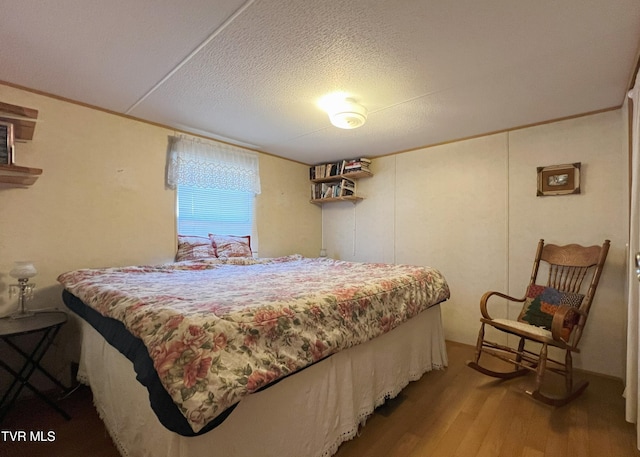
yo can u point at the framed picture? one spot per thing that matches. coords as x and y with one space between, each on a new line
559 179
6 143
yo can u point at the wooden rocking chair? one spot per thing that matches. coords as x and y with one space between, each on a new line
552 315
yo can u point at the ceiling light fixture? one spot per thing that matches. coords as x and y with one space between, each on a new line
348 115
343 111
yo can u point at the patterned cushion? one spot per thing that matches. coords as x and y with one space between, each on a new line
194 247
542 302
231 245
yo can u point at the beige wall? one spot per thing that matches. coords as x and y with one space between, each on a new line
470 209
101 200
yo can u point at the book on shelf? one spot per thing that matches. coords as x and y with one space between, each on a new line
353 165
327 170
319 191
347 188
335 189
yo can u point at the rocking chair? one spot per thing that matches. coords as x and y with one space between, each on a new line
552 315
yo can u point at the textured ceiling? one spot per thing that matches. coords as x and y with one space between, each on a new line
252 72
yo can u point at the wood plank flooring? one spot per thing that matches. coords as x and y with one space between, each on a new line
456 412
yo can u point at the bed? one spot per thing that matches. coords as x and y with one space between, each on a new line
243 356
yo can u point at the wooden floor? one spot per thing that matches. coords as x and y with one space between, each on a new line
454 412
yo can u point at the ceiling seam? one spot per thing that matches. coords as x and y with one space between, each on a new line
184 61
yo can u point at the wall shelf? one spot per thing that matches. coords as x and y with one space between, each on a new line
352 175
18 176
337 181
349 198
24 124
23 120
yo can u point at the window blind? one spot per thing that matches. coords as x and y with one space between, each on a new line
224 212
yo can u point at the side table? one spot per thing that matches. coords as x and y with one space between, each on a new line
47 325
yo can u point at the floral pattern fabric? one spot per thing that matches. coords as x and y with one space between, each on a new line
194 247
220 329
231 245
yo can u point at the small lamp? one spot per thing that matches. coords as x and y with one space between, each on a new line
22 271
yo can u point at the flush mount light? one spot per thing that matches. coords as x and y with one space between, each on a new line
343 112
350 115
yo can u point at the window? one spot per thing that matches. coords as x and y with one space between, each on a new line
225 212
216 185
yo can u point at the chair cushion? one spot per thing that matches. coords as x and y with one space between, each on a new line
542 302
539 331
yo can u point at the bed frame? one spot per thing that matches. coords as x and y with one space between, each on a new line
307 414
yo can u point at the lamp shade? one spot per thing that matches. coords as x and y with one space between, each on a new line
23 270
348 114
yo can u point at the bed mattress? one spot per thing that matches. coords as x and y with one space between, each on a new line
204 334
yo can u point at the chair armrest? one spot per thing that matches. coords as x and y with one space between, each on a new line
559 317
485 298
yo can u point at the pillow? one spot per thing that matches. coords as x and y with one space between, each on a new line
231 245
542 302
194 247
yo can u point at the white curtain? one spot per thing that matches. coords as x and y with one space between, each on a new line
209 164
632 387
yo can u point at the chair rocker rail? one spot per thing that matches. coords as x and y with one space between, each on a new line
575 392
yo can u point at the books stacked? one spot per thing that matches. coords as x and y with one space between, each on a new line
336 189
351 166
347 188
327 170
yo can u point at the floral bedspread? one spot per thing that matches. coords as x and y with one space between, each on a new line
220 329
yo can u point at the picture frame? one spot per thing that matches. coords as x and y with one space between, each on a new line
559 179
6 143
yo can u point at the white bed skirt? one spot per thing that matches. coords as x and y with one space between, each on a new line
308 414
